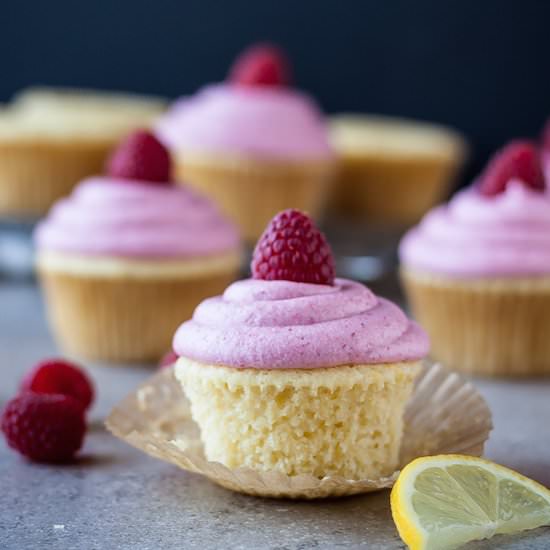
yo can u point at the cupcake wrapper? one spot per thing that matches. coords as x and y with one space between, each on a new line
400 191
122 319
444 415
33 175
488 328
252 192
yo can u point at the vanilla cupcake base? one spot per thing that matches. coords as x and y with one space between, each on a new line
122 310
489 327
34 173
388 190
345 421
251 192
392 170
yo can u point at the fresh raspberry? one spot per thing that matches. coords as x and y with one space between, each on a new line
519 160
58 376
141 156
168 359
261 65
293 249
44 427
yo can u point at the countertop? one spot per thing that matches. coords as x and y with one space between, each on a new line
115 497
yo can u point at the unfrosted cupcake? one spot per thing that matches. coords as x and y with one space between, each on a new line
392 170
253 143
296 371
477 271
129 254
50 139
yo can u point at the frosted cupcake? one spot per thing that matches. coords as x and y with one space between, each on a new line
50 139
129 254
296 371
392 170
253 143
477 271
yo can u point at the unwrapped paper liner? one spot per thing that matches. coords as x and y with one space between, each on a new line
445 415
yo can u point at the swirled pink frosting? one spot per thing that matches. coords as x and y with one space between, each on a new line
106 216
282 324
474 235
260 121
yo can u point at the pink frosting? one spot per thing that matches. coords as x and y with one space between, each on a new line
474 235
105 216
261 121
282 324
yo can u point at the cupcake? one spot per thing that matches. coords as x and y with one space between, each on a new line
477 270
129 254
298 372
392 170
50 139
253 143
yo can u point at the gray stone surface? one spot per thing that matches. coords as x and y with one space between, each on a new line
114 497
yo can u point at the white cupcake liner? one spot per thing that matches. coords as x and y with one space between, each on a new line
445 415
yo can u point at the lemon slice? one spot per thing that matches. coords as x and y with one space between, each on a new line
444 501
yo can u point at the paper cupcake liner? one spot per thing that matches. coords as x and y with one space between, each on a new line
444 415
485 327
34 174
123 319
391 190
252 192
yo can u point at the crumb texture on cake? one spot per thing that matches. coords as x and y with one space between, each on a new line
344 421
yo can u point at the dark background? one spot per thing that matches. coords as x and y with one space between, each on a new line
479 65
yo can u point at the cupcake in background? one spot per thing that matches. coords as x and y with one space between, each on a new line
545 150
297 371
129 254
252 143
390 170
52 138
477 270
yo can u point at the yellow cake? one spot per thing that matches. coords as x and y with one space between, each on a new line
50 139
298 372
128 254
255 146
477 270
392 170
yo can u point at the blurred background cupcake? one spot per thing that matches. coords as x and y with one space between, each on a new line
391 170
129 254
253 143
477 270
52 138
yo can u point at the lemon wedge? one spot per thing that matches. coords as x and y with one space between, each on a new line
441 502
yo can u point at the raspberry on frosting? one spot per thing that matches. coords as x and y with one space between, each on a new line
293 249
44 427
519 160
261 65
141 156
168 359
62 377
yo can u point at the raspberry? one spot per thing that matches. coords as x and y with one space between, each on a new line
293 249
141 156
58 376
44 427
261 65
518 160
168 359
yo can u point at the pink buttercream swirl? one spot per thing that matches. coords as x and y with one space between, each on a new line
283 324
474 235
273 122
106 216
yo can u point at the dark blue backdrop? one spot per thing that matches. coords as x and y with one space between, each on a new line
480 65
